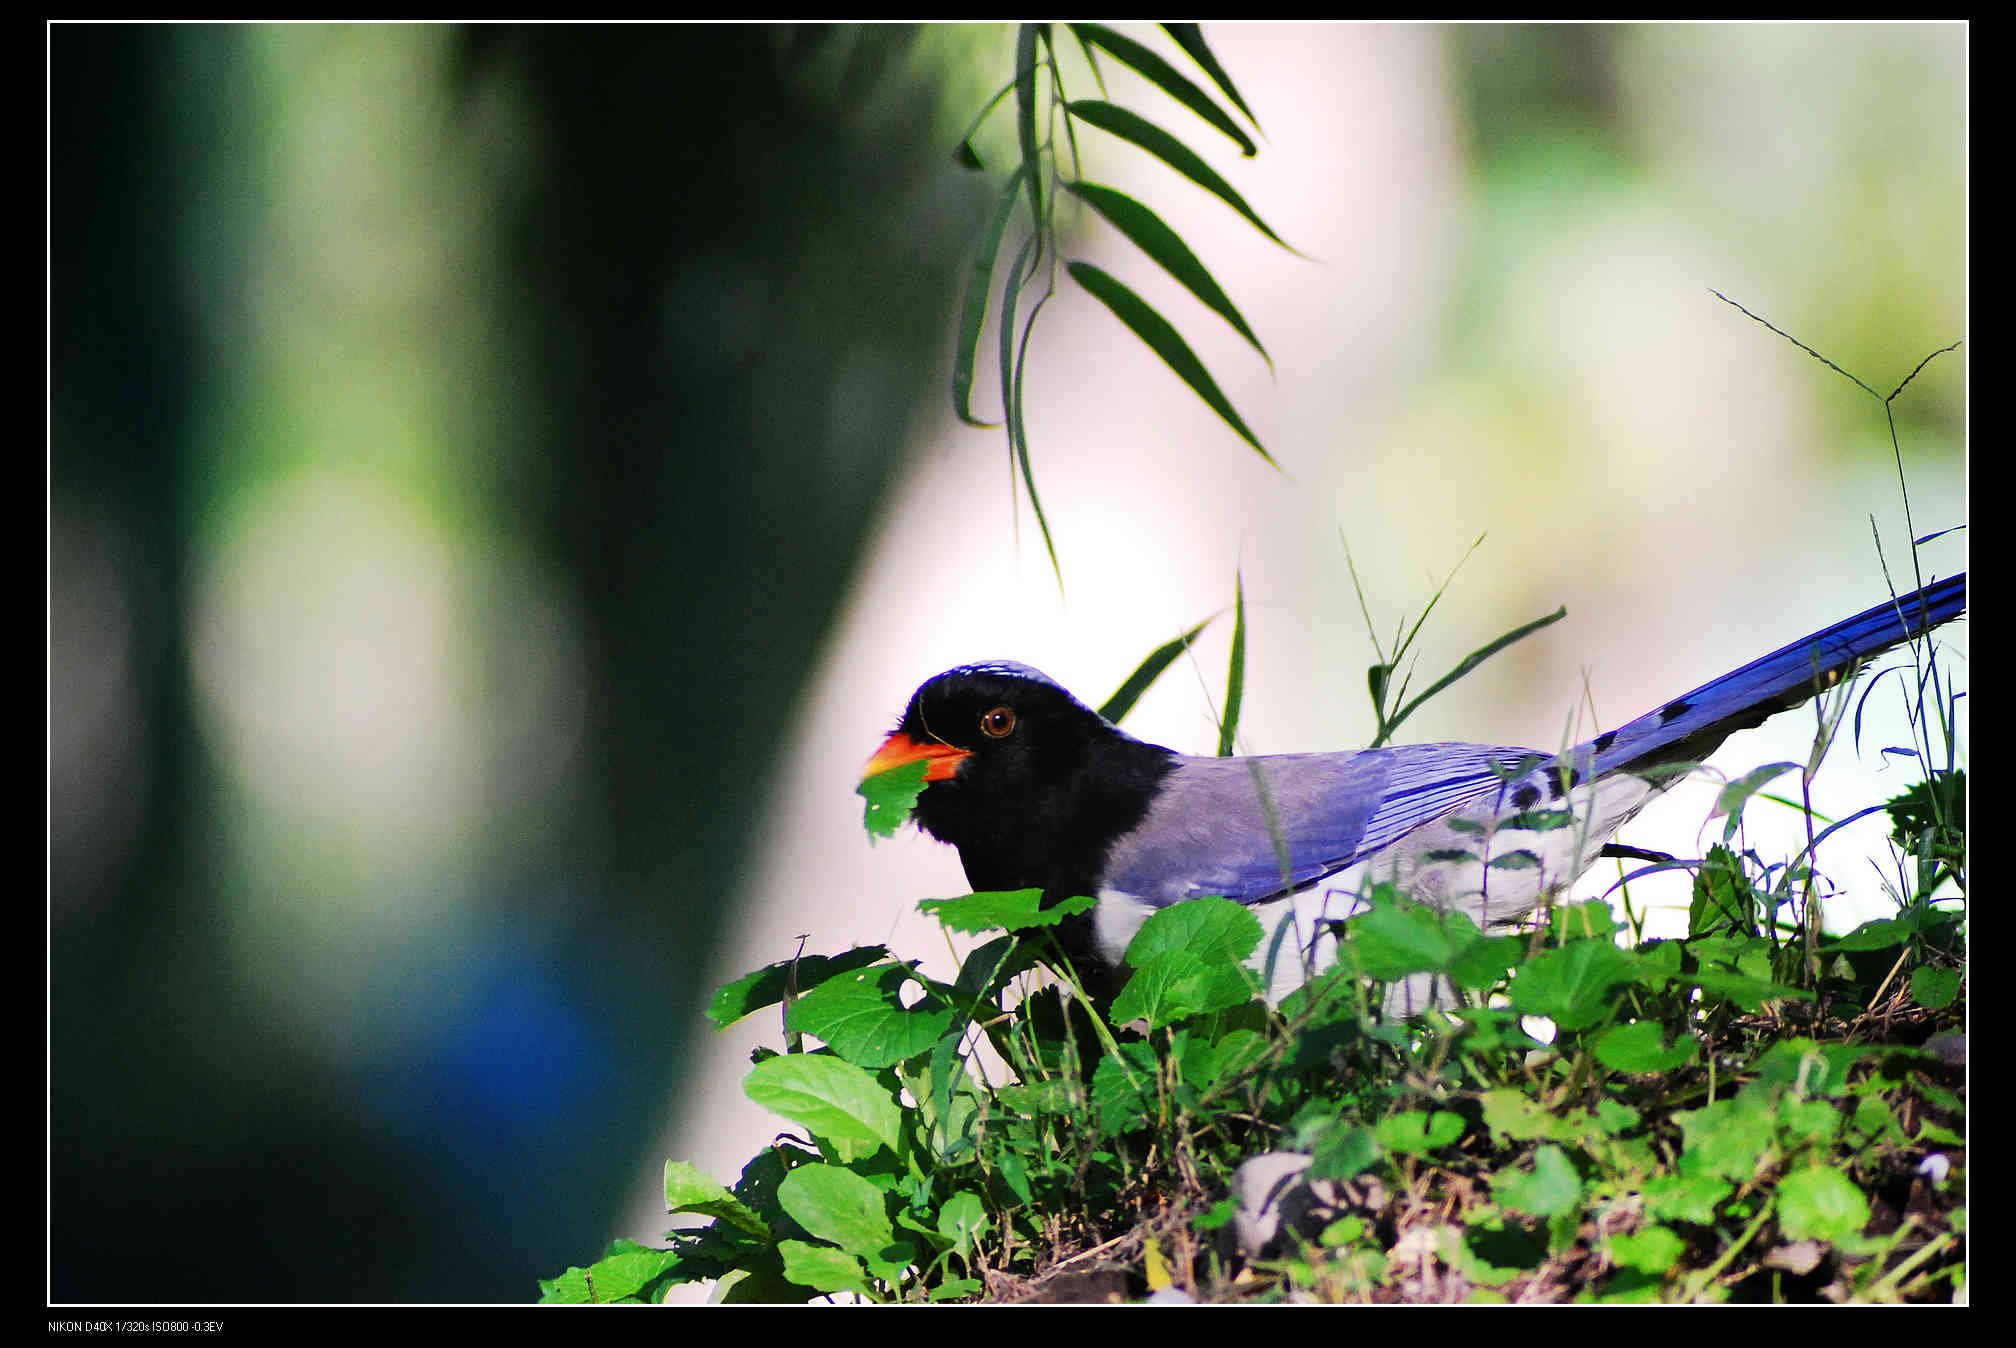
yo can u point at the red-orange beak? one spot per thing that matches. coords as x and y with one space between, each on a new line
941 760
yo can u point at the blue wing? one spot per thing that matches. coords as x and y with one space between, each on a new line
1213 828
1254 828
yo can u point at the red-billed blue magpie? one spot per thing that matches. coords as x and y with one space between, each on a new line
1037 790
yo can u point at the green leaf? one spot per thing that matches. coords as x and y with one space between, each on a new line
1937 806
1415 1132
1191 39
1345 1152
1571 986
1809 1123
1730 1139
1513 1114
1142 679
1210 929
1881 933
988 967
1482 963
839 1207
1174 984
962 1219
1122 1087
973 310
861 1016
1164 77
1163 340
1935 989
760 1287
1734 795
1495 1255
1005 910
1550 1189
1690 1198
1723 899
1930 823
821 1267
690 1189
1148 232
772 983
1640 1048
618 1276
891 796
1590 921
834 1099
1652 1249
1205 1062
1235 675
1401 937
1748 993
1138 130
1820 1203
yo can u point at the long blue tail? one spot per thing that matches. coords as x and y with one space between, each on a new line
1689 728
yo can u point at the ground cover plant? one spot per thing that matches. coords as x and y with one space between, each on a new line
1756 1112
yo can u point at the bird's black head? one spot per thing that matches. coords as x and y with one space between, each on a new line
1030 784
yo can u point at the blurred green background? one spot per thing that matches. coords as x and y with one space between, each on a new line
466 441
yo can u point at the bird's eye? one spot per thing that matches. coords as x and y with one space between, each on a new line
996 723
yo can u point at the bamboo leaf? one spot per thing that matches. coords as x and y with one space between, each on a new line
963 154
1012 367
1164 77
1148 232
1143 678
1164 341
1191 39
973 312
1138 130
1091 57
1025 117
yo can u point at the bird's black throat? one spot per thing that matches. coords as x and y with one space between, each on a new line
1046 815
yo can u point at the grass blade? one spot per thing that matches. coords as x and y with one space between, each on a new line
1191 39
1164 341
1152 235
1235 674
1468 663
1138 130
1143 678
1164 77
